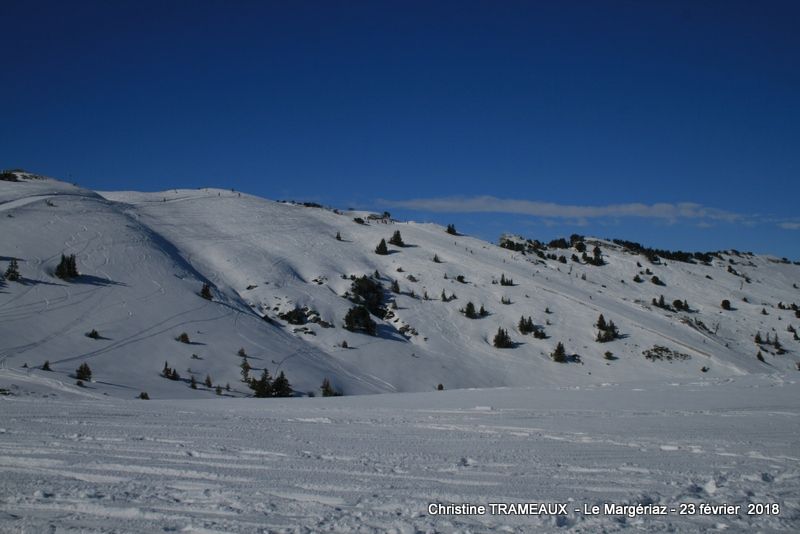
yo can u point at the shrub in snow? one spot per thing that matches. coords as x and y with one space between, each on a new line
67 268
83 372
469 311
502 339
725 304
183 338
262 387
144 396
440 387
451 229
94 334
206 292
281 386
46 366
358 319
396 239
12 272
559 354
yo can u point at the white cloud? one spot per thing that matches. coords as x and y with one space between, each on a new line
488 204
790 225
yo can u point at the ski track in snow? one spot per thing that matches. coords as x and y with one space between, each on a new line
372 464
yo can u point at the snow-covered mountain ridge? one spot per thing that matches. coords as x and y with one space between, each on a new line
144 258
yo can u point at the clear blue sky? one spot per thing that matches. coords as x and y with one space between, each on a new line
573 116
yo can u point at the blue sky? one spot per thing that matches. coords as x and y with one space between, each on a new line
676 124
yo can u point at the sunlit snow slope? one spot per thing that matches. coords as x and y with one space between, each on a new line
144 257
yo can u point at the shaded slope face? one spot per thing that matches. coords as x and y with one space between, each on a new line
144 257
139 294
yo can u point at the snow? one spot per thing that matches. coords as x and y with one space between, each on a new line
375 463
511 426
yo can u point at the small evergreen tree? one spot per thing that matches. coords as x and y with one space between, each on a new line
395 287
262 387
436 259
281 386
144 396
183 338
67 268
338 236
208 382
482 312
206 292
758 339
638 279
381 248
725 304
760 356
242 352
245 367
506 281
93 334
469 311
218 390
601 322
396 239
46 366
358 319
525 326
451 229
83 372
560 354
193 382
502 339
12 272
326 388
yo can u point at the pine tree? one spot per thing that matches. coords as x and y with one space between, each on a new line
338 236
281 386
482 312
242 352
46 366
183 338
469 311
559 355
193 383
436 259
502 339
208 381
12 272
326 389
67 267
262 387
760 356
396 239
381 248
758 338
245 366
83 372
206 292
451 229
601 322
166 372
218 390
358 318
395 287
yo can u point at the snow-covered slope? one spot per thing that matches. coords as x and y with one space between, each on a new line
145 256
